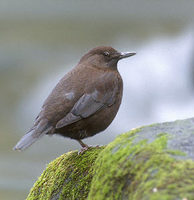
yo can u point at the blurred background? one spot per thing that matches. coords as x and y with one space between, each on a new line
41 40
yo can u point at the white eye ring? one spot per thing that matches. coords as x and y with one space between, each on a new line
106 53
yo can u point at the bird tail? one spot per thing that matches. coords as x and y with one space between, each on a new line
27 140
32 136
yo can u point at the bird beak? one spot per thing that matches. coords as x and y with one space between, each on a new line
126 54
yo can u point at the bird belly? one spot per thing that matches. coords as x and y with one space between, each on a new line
92 125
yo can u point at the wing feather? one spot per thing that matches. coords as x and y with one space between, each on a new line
102 95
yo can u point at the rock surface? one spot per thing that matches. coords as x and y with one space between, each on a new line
152 162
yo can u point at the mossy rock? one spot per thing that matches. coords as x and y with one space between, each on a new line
67 177
153 163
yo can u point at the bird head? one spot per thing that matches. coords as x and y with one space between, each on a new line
104 57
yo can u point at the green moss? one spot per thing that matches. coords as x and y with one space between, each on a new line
67 177
140 170
148 163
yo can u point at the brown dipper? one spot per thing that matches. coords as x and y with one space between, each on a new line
84 102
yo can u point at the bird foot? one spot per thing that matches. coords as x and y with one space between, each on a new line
83 149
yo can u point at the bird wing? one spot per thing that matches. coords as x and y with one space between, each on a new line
103 95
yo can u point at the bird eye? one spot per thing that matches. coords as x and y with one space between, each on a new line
106 53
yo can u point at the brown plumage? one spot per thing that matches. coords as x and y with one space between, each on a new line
84 102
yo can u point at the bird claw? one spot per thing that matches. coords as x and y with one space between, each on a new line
83 150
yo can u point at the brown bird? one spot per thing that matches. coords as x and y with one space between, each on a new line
84 102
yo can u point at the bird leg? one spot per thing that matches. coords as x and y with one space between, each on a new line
83 144
85 147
